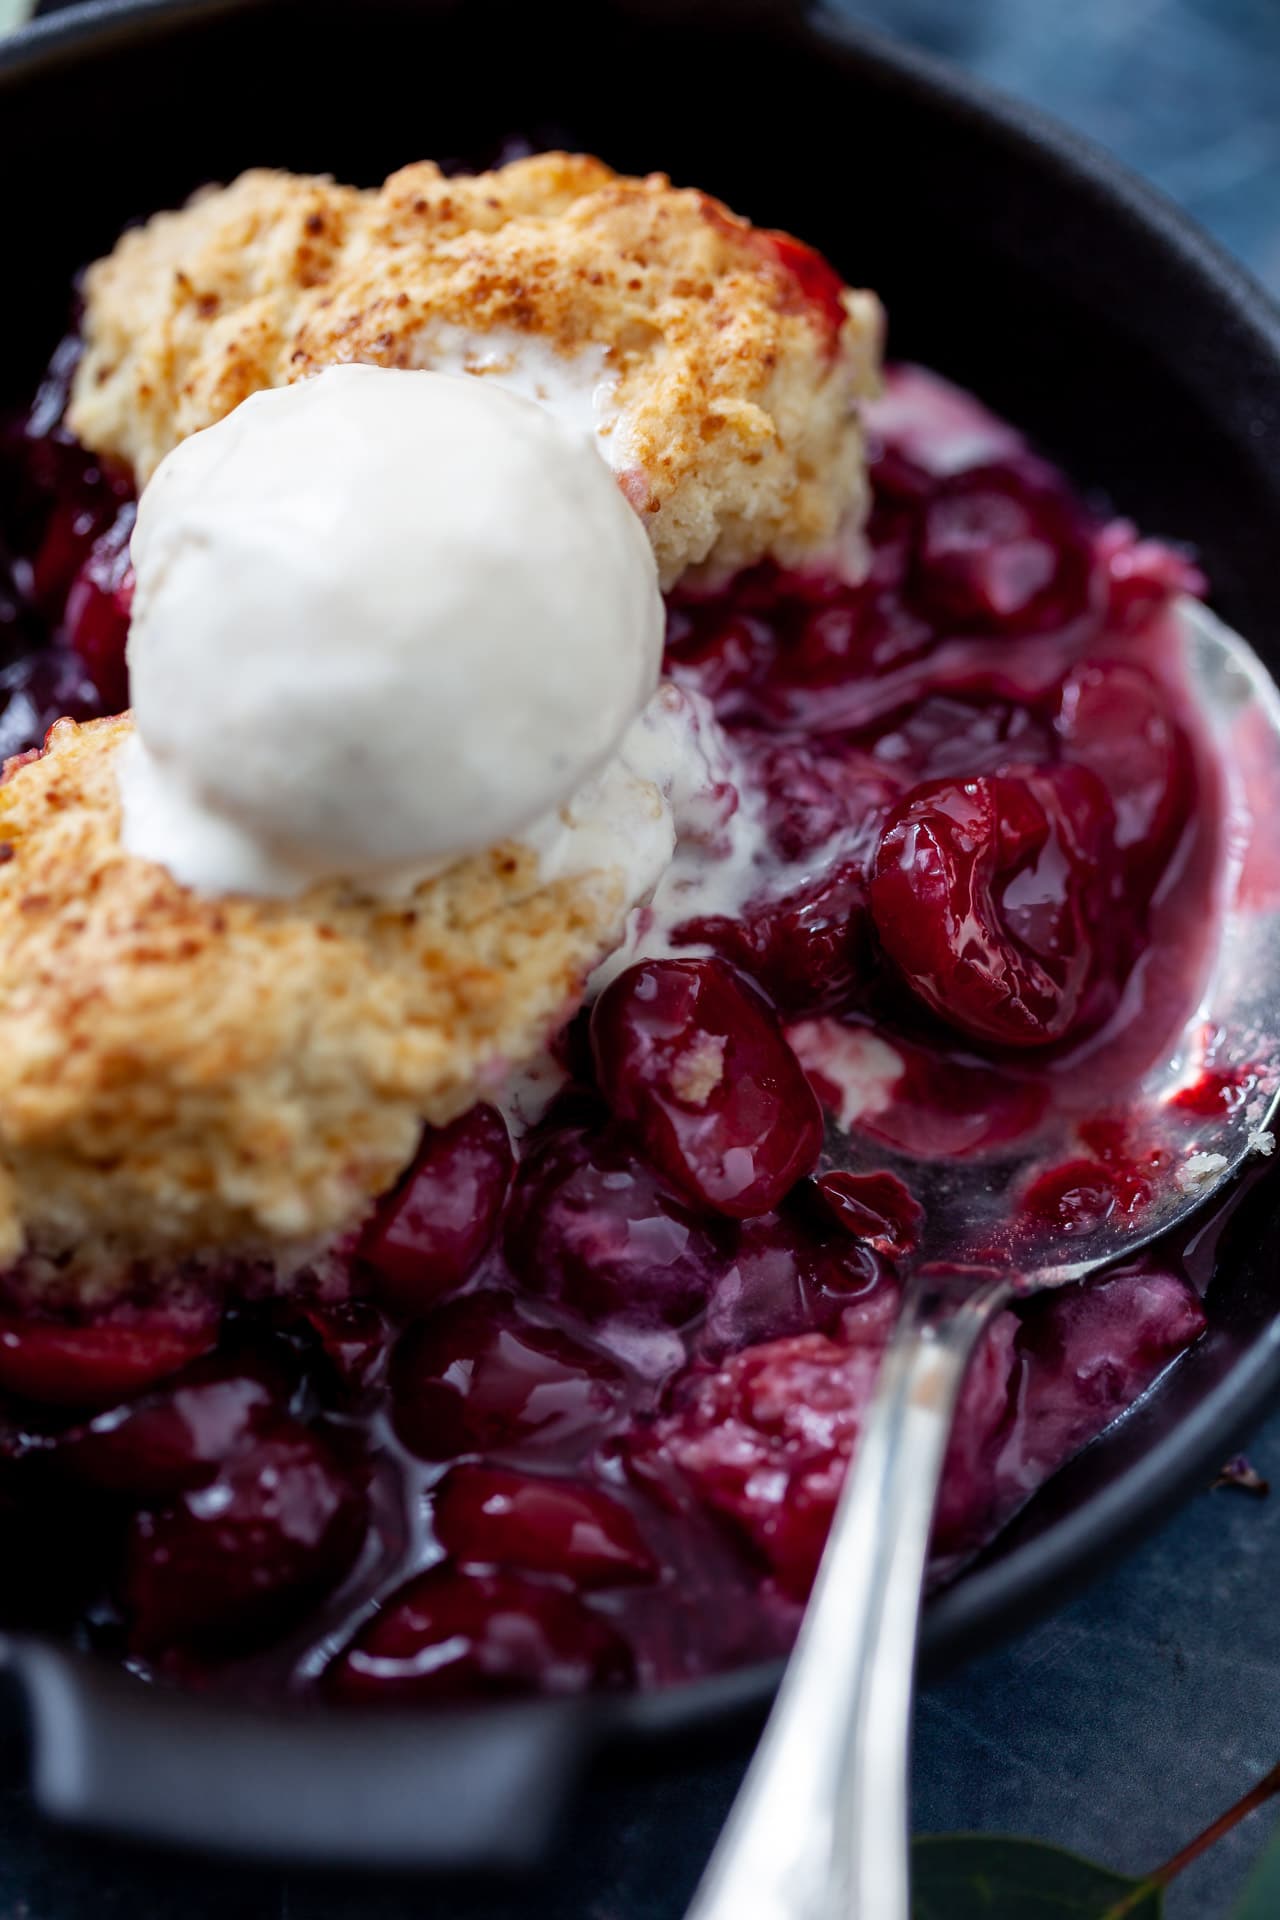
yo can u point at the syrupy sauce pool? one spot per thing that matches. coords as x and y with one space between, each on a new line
582 1415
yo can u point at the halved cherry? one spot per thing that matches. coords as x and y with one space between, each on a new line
992 896
692 1060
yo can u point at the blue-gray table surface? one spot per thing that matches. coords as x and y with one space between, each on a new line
1124 1723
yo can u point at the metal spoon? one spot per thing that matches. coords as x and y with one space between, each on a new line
820 1827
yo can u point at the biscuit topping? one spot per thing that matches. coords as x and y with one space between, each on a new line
729 363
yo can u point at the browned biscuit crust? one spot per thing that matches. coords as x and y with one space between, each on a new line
182 1075
736 361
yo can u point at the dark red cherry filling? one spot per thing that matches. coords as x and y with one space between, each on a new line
593 1228
478 1377
1003 550
452 1634
575 1415
231 1562
494 1516
992 897
429 1232
67 1365
693 1063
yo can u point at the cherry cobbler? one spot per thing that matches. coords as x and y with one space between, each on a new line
478 1291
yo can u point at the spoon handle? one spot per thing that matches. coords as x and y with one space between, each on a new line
819 1830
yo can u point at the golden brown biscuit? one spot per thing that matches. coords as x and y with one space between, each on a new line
186 1075
737 361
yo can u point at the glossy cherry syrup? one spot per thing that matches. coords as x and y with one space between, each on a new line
582 1418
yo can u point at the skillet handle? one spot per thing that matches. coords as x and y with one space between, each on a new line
452 1790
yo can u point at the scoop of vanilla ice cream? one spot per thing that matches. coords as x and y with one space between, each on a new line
383 619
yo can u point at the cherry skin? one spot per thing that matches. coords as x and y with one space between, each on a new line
692 1061
819 287
765 1440
791 1273
991 896
591 1226
478 1378
804 948
1002 550
1113 719
98 608
493 1516
58 1364
170 1440
229 1564
875 1207
455 1635
430 1231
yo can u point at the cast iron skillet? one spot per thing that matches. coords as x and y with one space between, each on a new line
1012 256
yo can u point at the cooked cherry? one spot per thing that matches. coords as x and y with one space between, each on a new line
478 1378
429 1233
591 1225
789 1274
60 1364
714 654
353 1338
38 689
692 1060
231 1563
876 1207
83 511
806 948
98 607
1091 1350
1002 549
992 897
765 1441
1050 1380
449 1634
1114 720
493 1516
169 1440
1143 576
818 284
815 797
944 735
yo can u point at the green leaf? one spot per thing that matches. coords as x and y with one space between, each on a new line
1262 1895
977 1876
